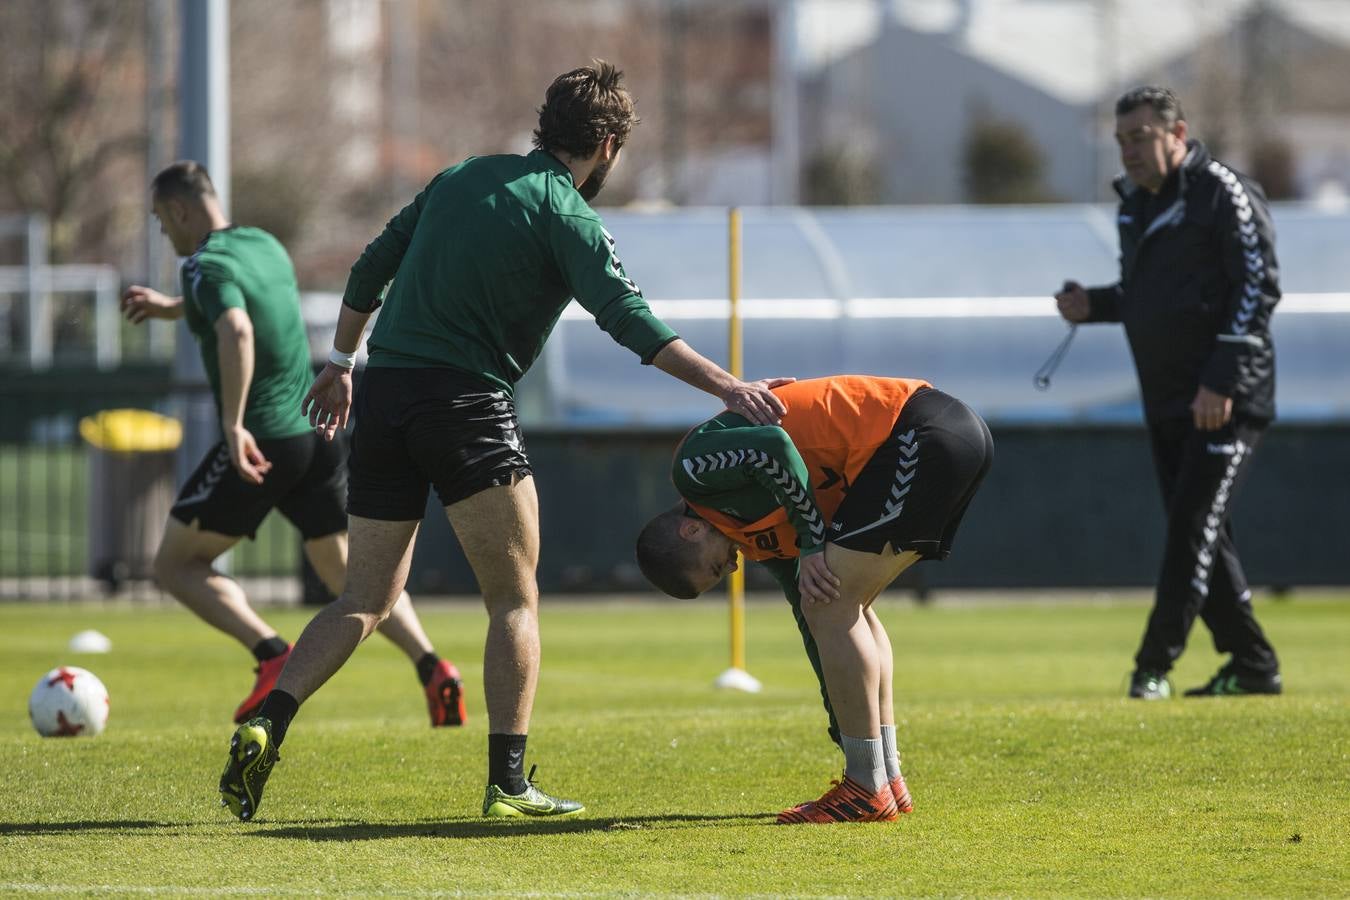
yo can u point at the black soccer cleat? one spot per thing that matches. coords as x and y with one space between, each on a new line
1150 686
1228 682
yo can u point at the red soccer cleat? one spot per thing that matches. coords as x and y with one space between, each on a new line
445 696
904 803
847 801
268 671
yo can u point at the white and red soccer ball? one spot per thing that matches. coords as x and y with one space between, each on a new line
69 702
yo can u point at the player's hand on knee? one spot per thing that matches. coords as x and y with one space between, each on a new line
815 580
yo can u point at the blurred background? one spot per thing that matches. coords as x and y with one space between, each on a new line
917 178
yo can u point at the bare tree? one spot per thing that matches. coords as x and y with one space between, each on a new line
72 120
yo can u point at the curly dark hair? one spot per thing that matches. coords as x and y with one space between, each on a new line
582 108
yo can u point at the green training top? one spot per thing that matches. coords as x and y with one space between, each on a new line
487 257
747 471
248 269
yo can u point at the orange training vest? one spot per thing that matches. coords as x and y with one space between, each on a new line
836 424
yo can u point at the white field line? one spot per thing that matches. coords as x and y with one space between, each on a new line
249 891
1019 307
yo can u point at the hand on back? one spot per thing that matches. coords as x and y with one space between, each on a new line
755 400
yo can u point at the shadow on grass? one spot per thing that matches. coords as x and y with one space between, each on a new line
486 828
115 826
111 825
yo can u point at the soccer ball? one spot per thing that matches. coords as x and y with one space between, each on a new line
68 702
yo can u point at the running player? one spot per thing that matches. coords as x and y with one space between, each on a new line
865 477
241 304
483 262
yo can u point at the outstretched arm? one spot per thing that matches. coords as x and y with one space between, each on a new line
754 400
586 256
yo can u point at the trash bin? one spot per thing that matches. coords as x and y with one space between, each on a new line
131 481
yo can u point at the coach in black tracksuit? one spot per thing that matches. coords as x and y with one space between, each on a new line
1198 282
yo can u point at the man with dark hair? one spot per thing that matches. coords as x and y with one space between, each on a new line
1198 283
241 304
865 477
483 262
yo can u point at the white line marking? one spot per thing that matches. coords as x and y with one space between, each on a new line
920 308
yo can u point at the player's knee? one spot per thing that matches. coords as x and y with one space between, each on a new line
170 562
517 595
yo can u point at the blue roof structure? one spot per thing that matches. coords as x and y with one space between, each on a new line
960 296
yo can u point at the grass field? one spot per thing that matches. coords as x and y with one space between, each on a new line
1032 776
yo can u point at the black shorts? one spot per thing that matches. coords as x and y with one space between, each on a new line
914 490
420 428
306 483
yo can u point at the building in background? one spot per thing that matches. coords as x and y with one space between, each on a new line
938 88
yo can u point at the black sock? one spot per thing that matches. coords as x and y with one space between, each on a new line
426 667
506 762
270 648
279 708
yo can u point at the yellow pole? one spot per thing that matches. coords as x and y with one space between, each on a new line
736 584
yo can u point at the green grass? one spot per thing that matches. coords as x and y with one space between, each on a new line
1031 774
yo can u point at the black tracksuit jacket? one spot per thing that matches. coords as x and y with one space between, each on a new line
1198 282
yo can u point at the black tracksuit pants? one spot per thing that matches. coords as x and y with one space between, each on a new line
1200 473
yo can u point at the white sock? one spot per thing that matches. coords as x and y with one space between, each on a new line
863 762
889 752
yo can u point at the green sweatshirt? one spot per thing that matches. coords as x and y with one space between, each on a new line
483 263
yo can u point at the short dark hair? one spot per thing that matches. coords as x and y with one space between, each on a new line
582 108
185 178
665 558
1163 102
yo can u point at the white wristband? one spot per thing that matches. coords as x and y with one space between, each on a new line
342 360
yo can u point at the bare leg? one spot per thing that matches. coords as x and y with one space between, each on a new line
885 695
328 556
850 656
380 555
183 567
498 529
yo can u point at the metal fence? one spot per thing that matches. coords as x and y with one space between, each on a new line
76 521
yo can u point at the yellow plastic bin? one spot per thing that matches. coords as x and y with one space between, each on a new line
131 474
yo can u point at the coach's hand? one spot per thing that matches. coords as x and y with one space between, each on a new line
141 303
1210 411
1072 301
756 401
248 460
329 401
816 582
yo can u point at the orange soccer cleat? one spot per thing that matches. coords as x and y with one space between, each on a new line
904 803
847 801
268 671
445 696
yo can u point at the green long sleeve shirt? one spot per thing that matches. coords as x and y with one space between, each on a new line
483 263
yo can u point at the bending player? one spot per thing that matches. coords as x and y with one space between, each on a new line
242 306
865 477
